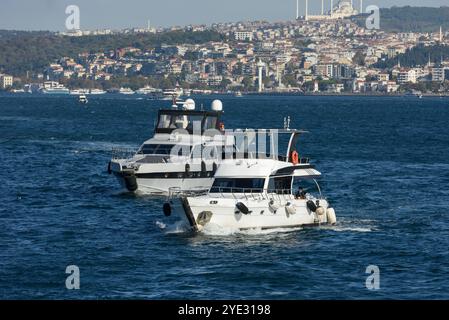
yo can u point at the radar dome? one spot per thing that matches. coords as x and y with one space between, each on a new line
217 105
189 104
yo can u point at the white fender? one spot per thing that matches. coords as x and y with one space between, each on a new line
290 209
331 216
320 211
273 206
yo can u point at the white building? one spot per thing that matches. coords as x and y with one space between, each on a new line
438 74
5 81
407 76
243 36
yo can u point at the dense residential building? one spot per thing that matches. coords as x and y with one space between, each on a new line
6 81
243 36
438 74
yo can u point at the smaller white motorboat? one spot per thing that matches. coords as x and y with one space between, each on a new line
257 191
83 99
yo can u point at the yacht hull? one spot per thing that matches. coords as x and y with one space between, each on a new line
162 186
261 212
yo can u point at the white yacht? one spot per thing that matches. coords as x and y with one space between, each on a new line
126 91
97 92
173 94
52 87
78 92
181 154
257 191
147 91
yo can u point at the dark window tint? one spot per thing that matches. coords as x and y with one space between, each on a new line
281 185
158 149
238 185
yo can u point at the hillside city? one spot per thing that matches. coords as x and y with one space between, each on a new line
328 54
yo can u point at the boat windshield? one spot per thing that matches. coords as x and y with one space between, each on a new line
158 149
186 120
240 185
303 188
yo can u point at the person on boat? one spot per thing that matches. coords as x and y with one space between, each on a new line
300 194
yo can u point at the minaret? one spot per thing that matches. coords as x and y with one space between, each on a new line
297 9
361 7
332 8
260 66
441 34
322 7
307 10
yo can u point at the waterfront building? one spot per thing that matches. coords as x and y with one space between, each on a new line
6 81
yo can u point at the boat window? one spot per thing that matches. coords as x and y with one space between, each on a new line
210 123
207 152
304 187
191 122
179 121
158 149
280 185
227 185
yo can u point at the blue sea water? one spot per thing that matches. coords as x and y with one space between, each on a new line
386 171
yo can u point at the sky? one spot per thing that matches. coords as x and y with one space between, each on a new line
120 14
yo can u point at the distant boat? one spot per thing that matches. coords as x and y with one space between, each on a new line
126 91
18 91
97 91
51 87
83 99
238 94
173 94
147 90
78 92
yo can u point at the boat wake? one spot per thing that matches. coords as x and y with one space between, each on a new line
175 228
216 230
220 231
353 226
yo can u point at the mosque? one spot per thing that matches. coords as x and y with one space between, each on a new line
343 9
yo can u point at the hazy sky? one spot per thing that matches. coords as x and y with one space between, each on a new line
118 14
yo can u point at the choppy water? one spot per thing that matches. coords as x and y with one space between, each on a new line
386 170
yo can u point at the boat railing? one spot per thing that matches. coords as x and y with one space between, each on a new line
123 153
254 193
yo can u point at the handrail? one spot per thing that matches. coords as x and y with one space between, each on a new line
261 193
123 153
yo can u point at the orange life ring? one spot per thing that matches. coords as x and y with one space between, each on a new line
295 157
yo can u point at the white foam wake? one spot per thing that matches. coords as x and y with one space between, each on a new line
216 230
177 227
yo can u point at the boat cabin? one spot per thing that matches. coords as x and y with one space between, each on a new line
279 171
171 120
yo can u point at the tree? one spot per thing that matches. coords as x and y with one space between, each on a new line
248 83
359 58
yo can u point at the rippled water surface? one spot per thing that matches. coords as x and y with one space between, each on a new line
386 171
